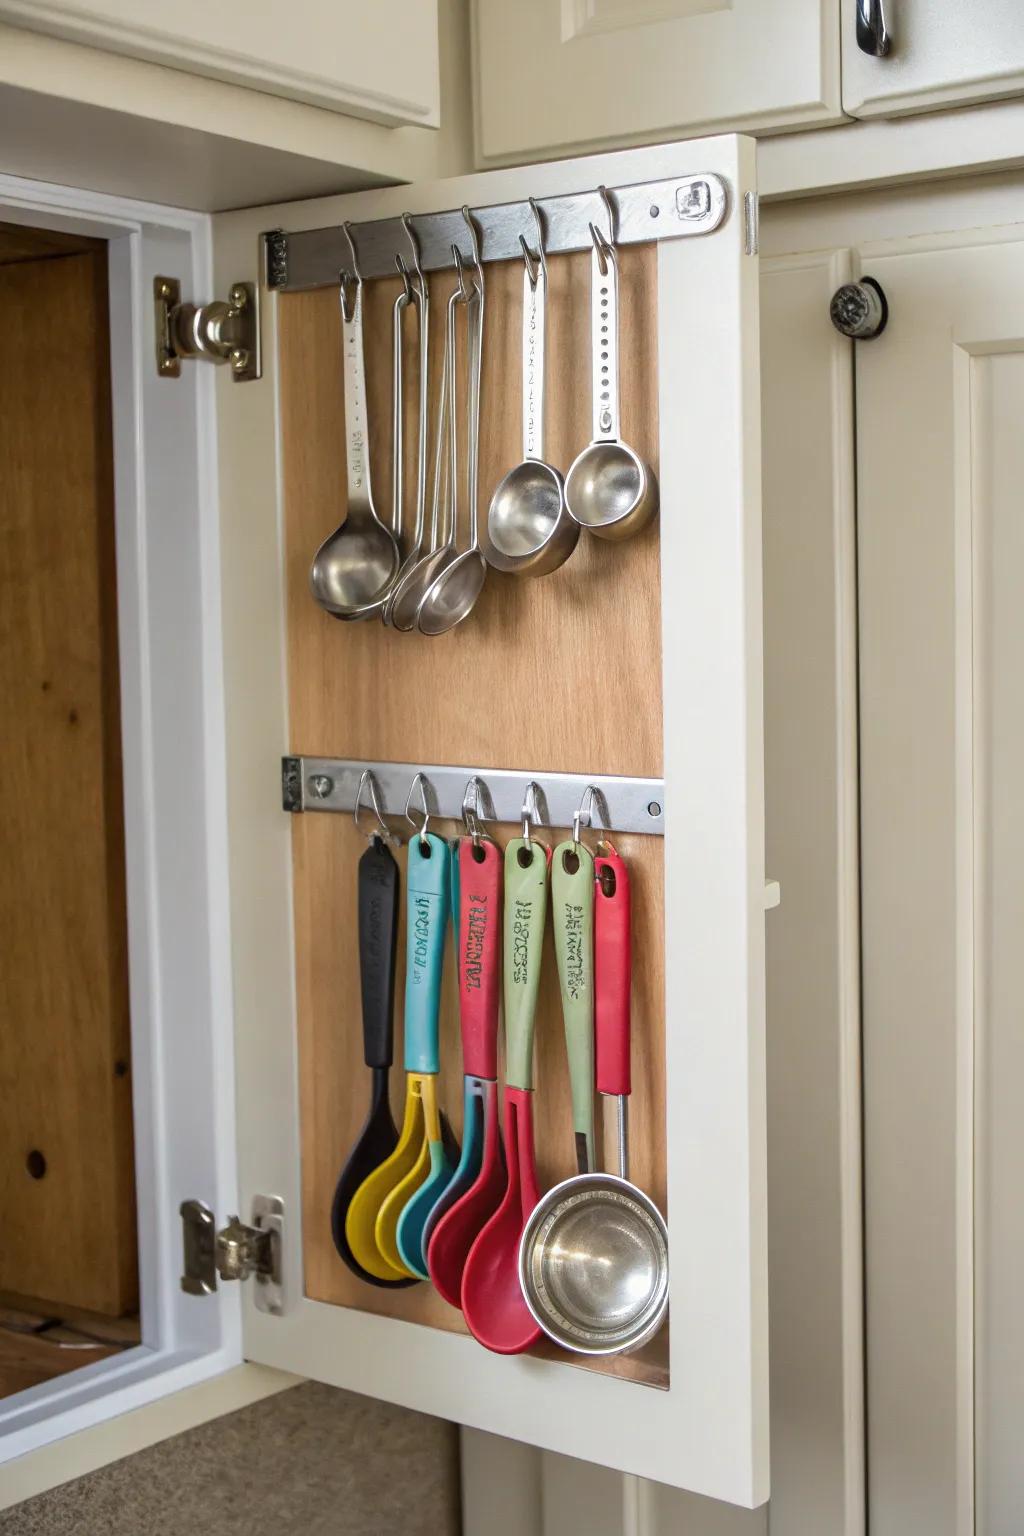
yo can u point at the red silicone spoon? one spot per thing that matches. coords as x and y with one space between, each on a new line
480 880
491 1296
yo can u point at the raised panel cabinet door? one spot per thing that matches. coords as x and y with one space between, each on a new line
378 62
550 74
941 571
940 55
563 673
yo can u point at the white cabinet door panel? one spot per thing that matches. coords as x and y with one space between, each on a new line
941 569
374 61
558 73
709 1430
942 55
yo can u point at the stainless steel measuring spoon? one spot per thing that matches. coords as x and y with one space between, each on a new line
354 568
409 591
609 489
455 588
530 531
420 296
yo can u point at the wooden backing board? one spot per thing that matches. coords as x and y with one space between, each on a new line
560 673
65 1085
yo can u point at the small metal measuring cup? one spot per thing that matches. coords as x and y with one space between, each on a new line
593 1259
609 488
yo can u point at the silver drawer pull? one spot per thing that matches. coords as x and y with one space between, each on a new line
873 36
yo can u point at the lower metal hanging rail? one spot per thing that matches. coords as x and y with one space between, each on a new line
618 804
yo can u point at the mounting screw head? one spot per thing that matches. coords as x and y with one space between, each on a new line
321 785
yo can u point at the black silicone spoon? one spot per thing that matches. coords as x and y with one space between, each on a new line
378 937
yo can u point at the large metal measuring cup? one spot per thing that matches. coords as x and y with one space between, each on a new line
593 1260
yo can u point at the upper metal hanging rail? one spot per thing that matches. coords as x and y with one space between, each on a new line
650 210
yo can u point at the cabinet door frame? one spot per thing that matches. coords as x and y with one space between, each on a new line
712 1438
174 808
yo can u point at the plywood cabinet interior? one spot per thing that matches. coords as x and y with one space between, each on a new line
560 674
550 74
66 1160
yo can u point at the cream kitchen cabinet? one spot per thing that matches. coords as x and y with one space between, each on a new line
560 74
244 971
370 61
918 55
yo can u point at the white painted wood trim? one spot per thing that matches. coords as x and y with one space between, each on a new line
969 140
173 754
81 24
709 1432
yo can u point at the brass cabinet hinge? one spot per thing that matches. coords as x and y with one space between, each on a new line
223 331
236 1252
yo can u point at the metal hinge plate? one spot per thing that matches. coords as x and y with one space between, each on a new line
219 332
236 1252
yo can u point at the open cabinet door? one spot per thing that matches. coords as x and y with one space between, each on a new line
639 659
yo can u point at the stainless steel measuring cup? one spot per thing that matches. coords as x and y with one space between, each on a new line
530 531
593 1260
609 489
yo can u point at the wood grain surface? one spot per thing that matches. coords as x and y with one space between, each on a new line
559 673
65 1085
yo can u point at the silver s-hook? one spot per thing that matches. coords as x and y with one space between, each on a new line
419 783
368 781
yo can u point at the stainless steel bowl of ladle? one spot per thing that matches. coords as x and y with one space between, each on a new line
530 531
354 568
609 489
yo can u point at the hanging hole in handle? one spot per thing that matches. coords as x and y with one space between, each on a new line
479 853
570 861
524 857
606 880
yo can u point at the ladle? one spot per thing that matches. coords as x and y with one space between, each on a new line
530 531
373 1214
378 932
409 590
475 869
455 587
593 1262
420 294
398 1229
354 568
479 1004
609 489
492 1300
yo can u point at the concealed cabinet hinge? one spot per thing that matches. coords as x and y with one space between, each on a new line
236 1252
223 331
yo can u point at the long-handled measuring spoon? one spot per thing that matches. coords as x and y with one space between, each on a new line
378 932
420 294
354 567
373 1214
593 1262
455 587
469 1200
444 509
492 1299
572 910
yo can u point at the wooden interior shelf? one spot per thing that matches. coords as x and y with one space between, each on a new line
563 671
